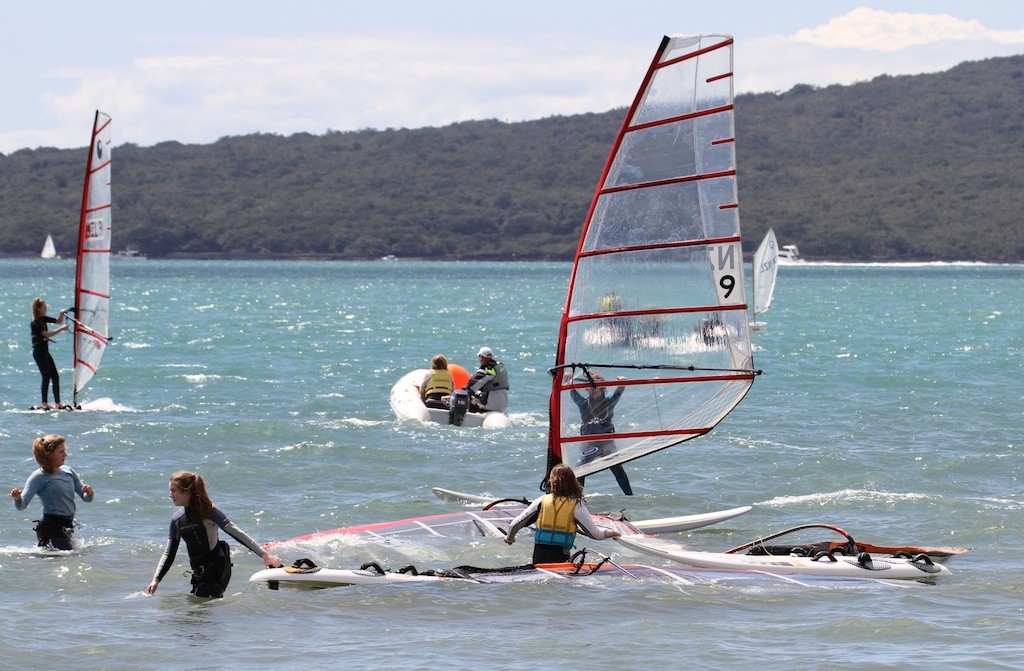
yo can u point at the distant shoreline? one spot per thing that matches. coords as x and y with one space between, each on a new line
216 256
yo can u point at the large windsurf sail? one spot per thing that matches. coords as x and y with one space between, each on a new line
765 270
656 292
92 276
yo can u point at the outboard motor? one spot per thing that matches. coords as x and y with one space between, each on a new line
458 406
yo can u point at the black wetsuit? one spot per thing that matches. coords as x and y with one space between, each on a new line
596 415
41 353
210 558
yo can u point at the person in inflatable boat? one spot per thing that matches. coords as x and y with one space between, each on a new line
488 387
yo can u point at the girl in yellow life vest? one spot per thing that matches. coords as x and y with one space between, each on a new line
437 384
557 516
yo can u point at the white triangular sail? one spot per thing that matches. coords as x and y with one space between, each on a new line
92 276
765 270
656 292
49 249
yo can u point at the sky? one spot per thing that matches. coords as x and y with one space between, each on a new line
194 71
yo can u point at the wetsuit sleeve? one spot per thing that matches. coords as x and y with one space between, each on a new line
167 559
28 491
614 398
586 522
525 518
230 529
480 379
78 488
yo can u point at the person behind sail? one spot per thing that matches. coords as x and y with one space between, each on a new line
621 327
437 384
557 516
41 349
596 410
611 302
712 330
488 387
56 485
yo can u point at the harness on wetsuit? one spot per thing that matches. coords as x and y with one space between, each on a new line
211 573
55 531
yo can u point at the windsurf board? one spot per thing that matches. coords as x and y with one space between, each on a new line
889 568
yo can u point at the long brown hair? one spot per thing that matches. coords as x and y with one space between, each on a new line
564 483
43 448
198 500
38 306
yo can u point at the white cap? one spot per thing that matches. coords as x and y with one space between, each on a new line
485 352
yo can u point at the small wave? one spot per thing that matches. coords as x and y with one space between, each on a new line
843 495
357 421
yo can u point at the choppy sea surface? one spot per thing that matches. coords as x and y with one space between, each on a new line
890 405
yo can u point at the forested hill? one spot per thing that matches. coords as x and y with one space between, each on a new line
925 167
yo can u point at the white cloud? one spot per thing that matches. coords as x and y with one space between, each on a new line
344 82
879 30
197 90
865 43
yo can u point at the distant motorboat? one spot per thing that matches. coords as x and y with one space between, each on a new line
130 253
49 250
789 254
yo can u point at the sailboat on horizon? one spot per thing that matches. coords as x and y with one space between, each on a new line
764 272
49 249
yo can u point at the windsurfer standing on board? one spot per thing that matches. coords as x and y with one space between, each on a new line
41 349
557 516
596 410
488 388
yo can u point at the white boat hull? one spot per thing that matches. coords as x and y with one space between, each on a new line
405 402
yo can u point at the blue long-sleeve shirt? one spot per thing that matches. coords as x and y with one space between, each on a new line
56 491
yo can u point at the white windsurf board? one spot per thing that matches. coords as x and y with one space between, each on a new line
663 525
887 568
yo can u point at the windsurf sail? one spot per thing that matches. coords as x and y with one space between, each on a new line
49 249
656 291
765 270
92 275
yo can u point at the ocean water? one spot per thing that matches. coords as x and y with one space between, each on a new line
890 405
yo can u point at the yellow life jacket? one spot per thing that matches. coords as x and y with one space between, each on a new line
556 522
440 382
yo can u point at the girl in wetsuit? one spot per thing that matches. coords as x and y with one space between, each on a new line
57 485
41 349
197 522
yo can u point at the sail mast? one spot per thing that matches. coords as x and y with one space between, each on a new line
92 272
